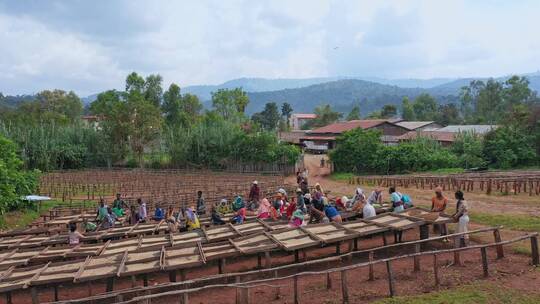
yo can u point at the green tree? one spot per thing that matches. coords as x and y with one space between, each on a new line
180 110
269 117
54 106
134 82
325 116
469 147
388 111
14 182
354 114
146 122
407 111
425 107
153 90
510 146
490 103
357 151
286 111
448 114
231 104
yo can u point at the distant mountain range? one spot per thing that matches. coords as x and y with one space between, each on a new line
370 93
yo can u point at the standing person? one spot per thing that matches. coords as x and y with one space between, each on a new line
74 235
304 185
143 215
254 195
201 207
438 204
397 203
462 217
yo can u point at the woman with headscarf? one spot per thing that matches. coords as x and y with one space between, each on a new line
359 197
264 209
438 204
224 207
297 218
192 221
238 203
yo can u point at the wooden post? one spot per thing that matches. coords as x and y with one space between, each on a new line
35 296
436 270
8 298
296 256
110 284
185 298
295 278
259 260
338 248
267 260
355 245
182 275
344 290
457 254
145 280
500 249
534 251
133 281
371 272
278 295
328 281
221 266
89 285
56 298
416 258
172 276
390 278
484 261
385 241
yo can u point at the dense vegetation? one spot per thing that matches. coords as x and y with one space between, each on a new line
141 126
515 143
14 182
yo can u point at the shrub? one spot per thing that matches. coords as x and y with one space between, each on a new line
14 182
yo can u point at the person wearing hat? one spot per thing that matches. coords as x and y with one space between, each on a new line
438 204
254 196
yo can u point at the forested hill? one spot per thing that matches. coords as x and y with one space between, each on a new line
341 94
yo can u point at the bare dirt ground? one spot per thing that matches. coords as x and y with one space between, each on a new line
514 271
495 204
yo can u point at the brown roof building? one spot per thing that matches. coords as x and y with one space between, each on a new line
327 135
444 138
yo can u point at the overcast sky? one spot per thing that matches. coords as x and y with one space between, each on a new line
90 46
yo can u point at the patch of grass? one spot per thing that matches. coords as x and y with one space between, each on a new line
341 176
520 249
513 222
446 171
471 294
23 217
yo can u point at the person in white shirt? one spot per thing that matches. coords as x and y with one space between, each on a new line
368 211
142 210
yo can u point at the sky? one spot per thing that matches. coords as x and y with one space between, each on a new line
91 46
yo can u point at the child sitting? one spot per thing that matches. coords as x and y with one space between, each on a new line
74 235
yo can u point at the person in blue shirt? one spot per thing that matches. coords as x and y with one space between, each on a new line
331 212
158 214
397 203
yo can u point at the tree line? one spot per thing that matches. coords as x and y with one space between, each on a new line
144 125
515 143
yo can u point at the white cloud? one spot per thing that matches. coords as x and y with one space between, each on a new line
91 47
